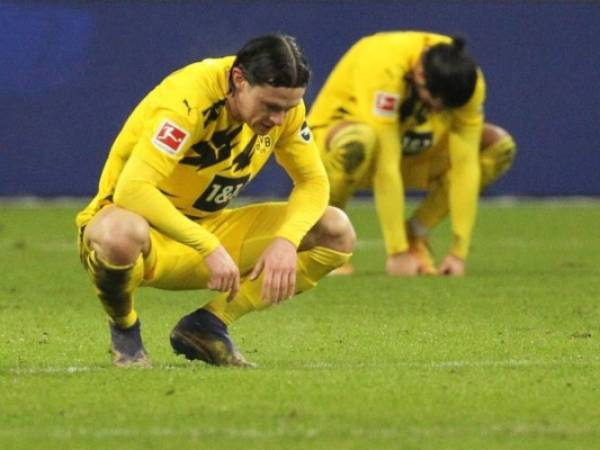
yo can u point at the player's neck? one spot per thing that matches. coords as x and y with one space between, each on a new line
232 110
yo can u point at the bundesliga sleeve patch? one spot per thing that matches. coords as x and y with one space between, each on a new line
170 137
386 104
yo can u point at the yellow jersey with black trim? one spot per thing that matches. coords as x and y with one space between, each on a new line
183 130
372 84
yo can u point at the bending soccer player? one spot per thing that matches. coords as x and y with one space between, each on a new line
160 218
404 110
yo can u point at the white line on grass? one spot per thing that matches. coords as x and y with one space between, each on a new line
518 429
334 366
454 364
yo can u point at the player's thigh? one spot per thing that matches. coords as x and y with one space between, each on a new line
245 232
496 155
321 137
173 265
350 146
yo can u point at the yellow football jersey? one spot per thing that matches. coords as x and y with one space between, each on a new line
371 84
203 158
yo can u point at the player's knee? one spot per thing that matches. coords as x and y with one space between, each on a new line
497 154
354 146
497 143
334 230
121 242
492 134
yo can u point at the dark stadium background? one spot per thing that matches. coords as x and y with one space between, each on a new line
71 71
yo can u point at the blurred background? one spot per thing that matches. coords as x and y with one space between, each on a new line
72 71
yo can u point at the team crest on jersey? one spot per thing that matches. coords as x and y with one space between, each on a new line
305 133
170 137
263 144
386 104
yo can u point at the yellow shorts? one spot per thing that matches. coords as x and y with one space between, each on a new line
244 232
424 171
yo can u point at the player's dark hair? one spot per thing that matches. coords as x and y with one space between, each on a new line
275 60
450 72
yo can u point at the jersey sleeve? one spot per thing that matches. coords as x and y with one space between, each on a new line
164 139
377 89
388 190
378 86
136 191
298 154
464 175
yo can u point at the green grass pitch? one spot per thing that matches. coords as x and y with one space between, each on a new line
507 357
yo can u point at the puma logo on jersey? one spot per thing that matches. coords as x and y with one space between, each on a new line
170 138
219 148
187 105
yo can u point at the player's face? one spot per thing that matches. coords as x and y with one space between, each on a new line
433 103
262 107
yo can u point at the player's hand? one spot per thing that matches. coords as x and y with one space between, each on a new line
224 275
452 266
278 265
402 265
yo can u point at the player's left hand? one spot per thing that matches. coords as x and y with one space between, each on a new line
278 262
452 266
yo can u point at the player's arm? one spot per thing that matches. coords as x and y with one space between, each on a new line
299 156
137 191
388 190
377 86
464 175
464 187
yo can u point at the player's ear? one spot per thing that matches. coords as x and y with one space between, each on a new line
237 78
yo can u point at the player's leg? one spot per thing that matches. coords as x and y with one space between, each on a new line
112 247
347 151
497 152
203 333
326 246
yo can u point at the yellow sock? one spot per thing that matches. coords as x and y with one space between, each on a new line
312 265
315 264
114 286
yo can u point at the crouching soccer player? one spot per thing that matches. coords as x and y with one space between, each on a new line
159 218
404 110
